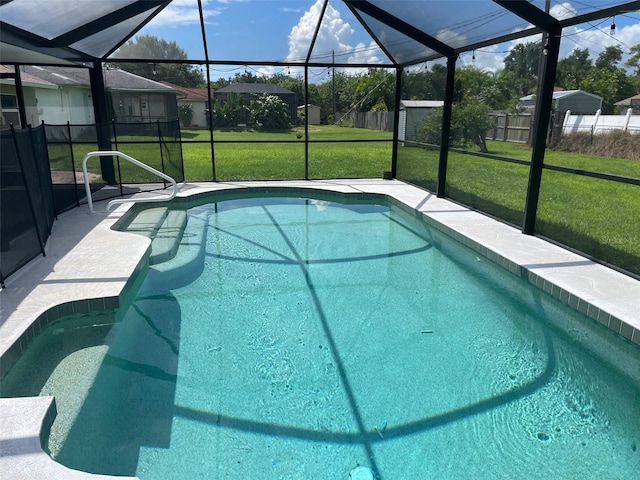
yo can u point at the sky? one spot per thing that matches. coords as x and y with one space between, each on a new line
282 30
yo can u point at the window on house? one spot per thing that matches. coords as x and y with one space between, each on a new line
9 110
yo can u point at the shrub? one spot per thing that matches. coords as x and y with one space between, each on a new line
185 113
270 112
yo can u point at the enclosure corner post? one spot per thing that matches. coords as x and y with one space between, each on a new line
544 101
101 109
396 122
446 126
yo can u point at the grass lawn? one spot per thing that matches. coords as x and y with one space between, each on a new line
279 161
598 217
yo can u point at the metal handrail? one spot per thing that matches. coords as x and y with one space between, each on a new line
111 153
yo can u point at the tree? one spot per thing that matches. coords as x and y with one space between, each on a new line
611 85
296 85
154 48
336 95
469 125
609 58
573 69
427 85
634 59
523 62
375 91
473 84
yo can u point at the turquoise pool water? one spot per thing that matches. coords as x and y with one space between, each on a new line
301 338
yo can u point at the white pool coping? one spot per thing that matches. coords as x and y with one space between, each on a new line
89 267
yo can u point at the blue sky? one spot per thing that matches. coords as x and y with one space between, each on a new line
282 30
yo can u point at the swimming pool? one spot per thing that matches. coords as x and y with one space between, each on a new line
337 335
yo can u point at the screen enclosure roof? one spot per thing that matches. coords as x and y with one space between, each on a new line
407 32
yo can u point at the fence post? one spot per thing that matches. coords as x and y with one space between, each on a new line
117 159
595 121
505 133
164 182
627 118
565 122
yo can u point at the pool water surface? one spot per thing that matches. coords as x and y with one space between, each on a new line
297 338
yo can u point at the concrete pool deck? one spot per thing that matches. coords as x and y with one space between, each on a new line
90 267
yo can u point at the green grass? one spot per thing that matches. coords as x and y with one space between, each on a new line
279 161
598 217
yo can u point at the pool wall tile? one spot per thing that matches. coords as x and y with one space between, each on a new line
615 324
9 357
64 310
635 338
81 306
573 301
625 330
96 304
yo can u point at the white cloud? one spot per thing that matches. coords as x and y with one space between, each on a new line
180 13
562 11
488 59
333 41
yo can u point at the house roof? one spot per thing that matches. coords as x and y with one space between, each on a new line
254 88
193 94
562 94
421 103
627 101
115 79
27 79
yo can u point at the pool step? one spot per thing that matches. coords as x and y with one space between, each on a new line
164 227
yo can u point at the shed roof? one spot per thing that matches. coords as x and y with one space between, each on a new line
563 94
421 103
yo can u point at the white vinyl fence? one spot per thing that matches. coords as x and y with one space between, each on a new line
598 123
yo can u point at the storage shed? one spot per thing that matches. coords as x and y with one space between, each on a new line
314 113
412 115
578 101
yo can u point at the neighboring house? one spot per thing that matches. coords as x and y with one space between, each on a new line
314 113
632 102
57 95
578 101
9 114
198 98
412 115
250 91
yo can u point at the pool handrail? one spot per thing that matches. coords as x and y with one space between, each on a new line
111 153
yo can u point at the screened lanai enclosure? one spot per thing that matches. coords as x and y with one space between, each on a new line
68 87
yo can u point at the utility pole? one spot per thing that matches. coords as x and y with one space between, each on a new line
333 83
